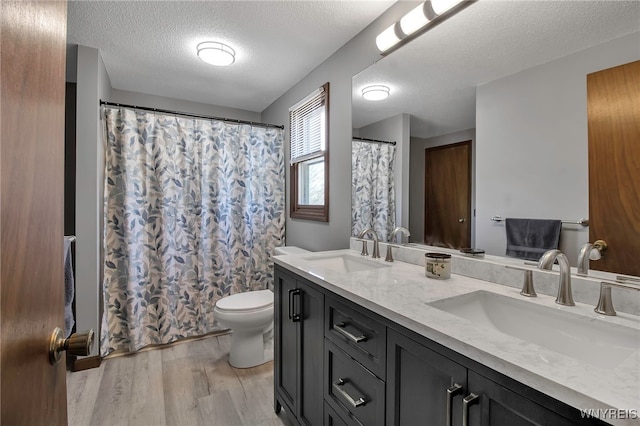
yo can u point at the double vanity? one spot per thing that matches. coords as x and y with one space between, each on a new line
364 341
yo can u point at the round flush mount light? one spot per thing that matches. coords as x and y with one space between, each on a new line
376 92
215 53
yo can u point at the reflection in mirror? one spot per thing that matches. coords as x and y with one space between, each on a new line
512 81
373 199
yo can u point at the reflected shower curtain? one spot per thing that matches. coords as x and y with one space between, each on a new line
193 210
373 201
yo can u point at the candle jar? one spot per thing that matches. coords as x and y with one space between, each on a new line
437 265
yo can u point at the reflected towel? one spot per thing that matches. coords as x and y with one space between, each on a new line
69 290
529 239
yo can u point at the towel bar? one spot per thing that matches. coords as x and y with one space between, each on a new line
582 221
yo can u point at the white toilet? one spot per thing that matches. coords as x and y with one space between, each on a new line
250 317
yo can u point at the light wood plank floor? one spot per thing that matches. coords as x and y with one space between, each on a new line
189 383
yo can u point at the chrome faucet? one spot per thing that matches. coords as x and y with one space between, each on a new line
590 252
374 236
392 240
565 295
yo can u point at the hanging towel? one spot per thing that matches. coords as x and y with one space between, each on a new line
529 239
69 291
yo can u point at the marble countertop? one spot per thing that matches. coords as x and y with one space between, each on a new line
401 293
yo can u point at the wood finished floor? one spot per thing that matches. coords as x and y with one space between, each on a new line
188 383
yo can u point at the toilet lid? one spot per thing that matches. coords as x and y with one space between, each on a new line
246 301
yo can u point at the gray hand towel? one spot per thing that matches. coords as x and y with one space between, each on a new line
69 290
529 239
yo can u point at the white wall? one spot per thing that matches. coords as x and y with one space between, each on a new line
161 102
92 85
395 128
353 57
416 178
532 150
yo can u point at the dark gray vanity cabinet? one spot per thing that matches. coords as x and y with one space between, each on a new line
338 363
497 405
423 387
298 344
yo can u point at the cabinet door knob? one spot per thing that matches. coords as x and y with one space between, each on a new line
451 392
470 399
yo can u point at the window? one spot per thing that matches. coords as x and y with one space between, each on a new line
309 127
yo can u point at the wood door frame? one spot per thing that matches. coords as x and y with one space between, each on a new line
427 151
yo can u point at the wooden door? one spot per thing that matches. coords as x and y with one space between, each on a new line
613 104
33 38
447 216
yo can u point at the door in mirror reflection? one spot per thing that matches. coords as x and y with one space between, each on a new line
448 195
613 104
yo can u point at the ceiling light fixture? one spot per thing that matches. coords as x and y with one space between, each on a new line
417 21
215 53
377 92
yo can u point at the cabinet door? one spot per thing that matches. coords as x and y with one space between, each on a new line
309 305
286 347
497 406
421 384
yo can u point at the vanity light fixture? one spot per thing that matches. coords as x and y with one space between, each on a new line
388 38
376 92
216 53
417 21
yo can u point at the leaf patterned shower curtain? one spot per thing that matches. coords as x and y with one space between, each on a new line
193 211
373 199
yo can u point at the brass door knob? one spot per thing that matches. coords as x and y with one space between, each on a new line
78 344
461 220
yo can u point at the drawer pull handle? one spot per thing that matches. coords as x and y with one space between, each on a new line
451 392
470 399
337 386
340 328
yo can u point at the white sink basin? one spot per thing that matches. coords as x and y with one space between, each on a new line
345 263
591 340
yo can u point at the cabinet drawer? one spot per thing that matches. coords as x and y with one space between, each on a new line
352 390
356 333
331 418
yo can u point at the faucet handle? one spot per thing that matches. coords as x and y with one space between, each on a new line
605 302
365 251
389 256
527 285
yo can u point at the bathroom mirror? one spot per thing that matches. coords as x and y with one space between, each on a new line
509 79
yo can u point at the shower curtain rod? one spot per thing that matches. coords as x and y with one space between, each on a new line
373 140
187 114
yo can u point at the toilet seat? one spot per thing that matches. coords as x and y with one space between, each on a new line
250 301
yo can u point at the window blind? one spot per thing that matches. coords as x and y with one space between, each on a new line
307 121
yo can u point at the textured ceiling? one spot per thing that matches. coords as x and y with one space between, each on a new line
434 77
149 46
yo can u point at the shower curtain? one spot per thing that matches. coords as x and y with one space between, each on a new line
373 201
193 211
